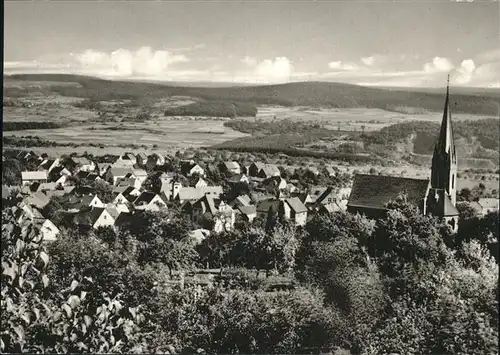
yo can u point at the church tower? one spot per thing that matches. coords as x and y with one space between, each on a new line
443 192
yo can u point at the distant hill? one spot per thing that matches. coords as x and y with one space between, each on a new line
317 94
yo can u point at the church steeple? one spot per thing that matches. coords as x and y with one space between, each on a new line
444 160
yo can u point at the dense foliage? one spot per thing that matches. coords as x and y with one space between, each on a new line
23 125
214 109
342 284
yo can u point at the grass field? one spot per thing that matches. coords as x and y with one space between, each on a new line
353 119
164 133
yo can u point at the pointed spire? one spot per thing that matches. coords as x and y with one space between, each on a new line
445 140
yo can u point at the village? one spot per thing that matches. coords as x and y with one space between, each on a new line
153 183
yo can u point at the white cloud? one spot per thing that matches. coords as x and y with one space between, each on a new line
368 60
464 73
438 64
279 69
339 65
123 62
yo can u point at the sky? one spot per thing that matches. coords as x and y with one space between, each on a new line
377 43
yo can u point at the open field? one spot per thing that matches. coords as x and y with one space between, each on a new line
164 133
353 119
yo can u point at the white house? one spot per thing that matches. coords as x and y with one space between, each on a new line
29 177
149 201
103 217
114 174
48 164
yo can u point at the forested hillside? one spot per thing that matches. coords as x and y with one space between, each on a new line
319 94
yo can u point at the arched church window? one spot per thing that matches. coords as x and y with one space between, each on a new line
452 223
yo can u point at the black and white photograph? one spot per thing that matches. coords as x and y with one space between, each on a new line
250 177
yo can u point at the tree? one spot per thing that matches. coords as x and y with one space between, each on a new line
35 318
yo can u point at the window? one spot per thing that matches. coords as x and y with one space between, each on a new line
453 181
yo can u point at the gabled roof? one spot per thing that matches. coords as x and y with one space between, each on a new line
81 160
207 204
296 205
230 165
113 211
248 210
34 175
38 199
190 193
265 205
236 178
145 198
119 172
142 156
375 191
58 171
46 164
243 200
488 203
270 170
139 173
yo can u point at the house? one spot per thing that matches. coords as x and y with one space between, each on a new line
189 168
329 171
294 210
235 179
120 207
243 200
289 209
38 199
129 181
81 164
332 207
274 183
57 172
188 194
23 155
140 175
123 163
123 198
149 201
48 164
371 193
114 174
128 159
488 205
269 170
98 217
103 168
200 183
193 194
44 186
254 168
141 159
73 203
29 177
154 160
230 167
208 208
248 212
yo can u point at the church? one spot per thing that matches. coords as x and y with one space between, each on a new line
437 195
